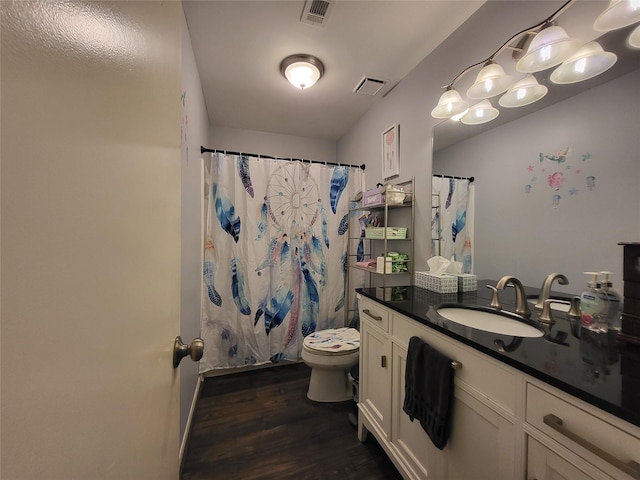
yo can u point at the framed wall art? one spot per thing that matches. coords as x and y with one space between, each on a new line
390 152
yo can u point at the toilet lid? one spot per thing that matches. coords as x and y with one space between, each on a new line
337 341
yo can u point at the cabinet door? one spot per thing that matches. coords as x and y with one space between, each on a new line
411 441
375 377
543 464
482 444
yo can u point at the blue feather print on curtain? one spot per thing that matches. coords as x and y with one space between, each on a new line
275 256
453 217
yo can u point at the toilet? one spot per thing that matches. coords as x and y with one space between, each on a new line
330 354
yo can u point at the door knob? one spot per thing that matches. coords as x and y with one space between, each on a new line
180 350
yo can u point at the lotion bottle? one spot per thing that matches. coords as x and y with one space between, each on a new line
612 311
592 305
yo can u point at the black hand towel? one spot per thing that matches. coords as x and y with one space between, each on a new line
428 393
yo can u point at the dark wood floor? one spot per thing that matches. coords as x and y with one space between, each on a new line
260 425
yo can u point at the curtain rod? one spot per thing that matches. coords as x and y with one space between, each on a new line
471 179
204 149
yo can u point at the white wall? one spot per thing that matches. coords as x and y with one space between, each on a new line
411 101
195 126
522 233
272 144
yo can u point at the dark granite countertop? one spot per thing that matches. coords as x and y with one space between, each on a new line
594 367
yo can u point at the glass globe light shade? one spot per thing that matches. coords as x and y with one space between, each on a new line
618 14
491 81
550 47
456 118
482 112
523 92
302 70
302 74
634 38
591 60
450 104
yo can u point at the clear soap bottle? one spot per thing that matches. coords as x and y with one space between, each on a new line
612 305
592 305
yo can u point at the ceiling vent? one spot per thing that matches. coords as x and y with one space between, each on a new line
315 12
369 86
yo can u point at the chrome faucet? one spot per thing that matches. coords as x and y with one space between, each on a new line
545 291
521 298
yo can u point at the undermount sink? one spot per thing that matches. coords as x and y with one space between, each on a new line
559 304
489 320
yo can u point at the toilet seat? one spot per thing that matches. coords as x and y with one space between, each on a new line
333 342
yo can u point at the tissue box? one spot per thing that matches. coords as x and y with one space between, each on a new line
437 283
466 282
383 265
373 197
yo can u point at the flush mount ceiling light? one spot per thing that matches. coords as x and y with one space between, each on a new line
550 47
591 60
523 92
302 70
491 81
618 14
482 112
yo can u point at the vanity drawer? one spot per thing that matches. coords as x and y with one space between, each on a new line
485 377
374 313
602 440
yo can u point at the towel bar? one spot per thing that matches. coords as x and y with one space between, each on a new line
456 365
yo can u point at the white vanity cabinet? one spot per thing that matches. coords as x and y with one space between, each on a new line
545 464
506 424
484 439
374 394
568 438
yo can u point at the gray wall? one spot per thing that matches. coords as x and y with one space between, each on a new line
522 233
195 125
411 101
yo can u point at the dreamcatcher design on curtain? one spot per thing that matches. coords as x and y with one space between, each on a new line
451 222
275 256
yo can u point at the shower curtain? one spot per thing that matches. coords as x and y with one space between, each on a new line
452 220
275 256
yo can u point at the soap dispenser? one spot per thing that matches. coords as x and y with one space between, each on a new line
612 309
592 304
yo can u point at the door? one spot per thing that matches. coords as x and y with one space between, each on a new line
90 252
375 383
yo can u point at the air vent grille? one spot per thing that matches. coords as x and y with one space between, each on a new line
315 12
369 86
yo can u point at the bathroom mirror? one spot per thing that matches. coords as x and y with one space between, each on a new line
557 183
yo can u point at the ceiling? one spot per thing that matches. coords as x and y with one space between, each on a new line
239 44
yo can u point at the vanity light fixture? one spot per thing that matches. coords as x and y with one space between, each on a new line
550 47
591 60
302 70
524 92
479 113
450 104
619 13
491 81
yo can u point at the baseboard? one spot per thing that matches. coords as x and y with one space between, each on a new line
227 371
187 431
